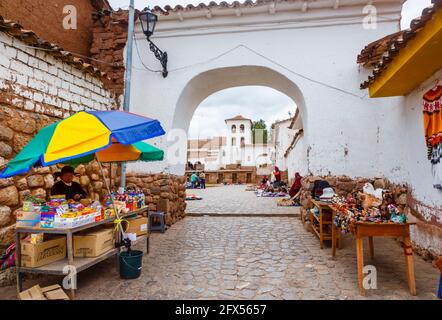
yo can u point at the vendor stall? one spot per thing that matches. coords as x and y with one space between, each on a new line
363 213
371 214
106 136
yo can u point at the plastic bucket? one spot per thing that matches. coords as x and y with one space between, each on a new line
130 264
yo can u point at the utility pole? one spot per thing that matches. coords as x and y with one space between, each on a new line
128 74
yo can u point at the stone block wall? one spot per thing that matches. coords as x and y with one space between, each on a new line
38 182
37 89
344 185
35 81
164 192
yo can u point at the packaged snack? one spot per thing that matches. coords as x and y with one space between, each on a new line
28 206
36 238
47 220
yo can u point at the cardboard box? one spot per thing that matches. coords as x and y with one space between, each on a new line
137 225
27 219
34 255
54 292
94 243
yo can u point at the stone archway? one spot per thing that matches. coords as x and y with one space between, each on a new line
306 52
206 83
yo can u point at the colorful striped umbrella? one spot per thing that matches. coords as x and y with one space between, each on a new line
138 151
82 134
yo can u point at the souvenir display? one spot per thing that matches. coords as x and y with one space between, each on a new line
58 212
191 197
365 208
287 202
125 201
327 194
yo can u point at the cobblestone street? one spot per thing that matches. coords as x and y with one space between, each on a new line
210 257
234 200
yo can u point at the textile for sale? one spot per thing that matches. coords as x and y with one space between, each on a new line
431 107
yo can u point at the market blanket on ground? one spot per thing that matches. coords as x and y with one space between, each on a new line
287 202
271 194
191 197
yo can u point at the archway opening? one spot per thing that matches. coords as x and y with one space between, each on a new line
207 83
232 146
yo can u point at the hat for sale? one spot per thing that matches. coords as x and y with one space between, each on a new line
327 193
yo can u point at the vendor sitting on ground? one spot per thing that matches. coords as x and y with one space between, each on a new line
296 186
71 189
277 175
264 182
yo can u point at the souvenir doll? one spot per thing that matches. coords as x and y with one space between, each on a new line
395 215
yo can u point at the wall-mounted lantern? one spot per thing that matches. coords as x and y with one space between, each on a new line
148 21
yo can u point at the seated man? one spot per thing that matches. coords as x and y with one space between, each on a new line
72 190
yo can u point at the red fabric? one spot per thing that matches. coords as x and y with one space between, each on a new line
296 186
277 174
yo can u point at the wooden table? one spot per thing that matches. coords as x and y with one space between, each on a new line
324 208
370 230
57 267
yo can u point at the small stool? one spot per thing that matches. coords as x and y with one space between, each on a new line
157 222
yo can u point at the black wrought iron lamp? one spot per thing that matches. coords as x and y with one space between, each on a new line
148 21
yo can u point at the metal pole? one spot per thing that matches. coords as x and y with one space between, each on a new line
128 75
109 193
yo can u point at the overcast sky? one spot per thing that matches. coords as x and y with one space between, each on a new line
252 102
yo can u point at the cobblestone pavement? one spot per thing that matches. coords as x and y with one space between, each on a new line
251 258
234 200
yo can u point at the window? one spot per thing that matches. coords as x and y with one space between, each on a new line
241 128
224 153
243 142
233 141
233 129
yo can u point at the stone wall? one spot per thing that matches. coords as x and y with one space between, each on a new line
37 89
402 195
164 192
38 182
34 80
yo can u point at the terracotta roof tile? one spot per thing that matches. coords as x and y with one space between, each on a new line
381 53
238 117
202 6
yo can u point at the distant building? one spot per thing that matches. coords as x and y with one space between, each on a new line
287 136
281 136
233 150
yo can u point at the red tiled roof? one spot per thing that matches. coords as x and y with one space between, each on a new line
381 53
238 117
202 6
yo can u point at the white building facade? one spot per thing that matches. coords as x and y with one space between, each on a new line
282 136
304 49
237 147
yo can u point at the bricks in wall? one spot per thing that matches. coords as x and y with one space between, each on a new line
109 40
36 90
30 15
35 81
